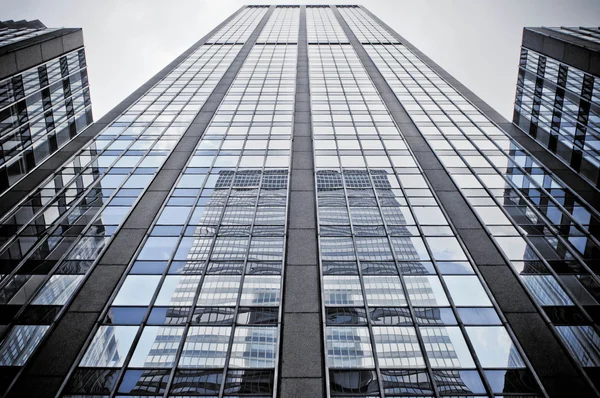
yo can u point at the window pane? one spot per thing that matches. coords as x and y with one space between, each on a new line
156 347
583 342
397 347
446 347
157 248
409 249
446 248
205 347
254 347
494 347
219 290
546 290
178 290
342 290
349 347
261 290
109 346
137 290
467 291
20 344
58 290
426 291
384 291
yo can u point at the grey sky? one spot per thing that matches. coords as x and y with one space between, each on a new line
477 41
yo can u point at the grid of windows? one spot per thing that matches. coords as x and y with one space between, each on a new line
203 294
559 105
282 26
364 27
405 310
322 26
239 29
41 109
198 309
51 240
542 227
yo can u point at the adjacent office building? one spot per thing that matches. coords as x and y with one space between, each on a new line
301 205
558 95
44 94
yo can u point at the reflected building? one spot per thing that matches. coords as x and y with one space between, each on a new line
255 346
364 190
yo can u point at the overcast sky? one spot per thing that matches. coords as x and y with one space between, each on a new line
477 41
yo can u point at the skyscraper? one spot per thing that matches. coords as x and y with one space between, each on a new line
558 94
301 205
44 95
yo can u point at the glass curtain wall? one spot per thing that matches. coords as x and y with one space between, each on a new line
211 267
405 311
52 238
547 233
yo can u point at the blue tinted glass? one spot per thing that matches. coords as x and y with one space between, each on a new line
148 267
479 316
125 316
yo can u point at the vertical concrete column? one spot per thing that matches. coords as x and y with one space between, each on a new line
301 366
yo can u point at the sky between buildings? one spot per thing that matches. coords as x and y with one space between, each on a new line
477 41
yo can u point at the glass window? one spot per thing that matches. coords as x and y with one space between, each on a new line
193 249
109 346
384 291
429 215
467 291
261 290
426 291
219 290
137 290
373 249
174 215
152 381
583 342
157 248
156 347
446 347
402 382
494 347
459 381
205 347
546 290
342 290
254 347
58 289
479 316
446 248
337 249
349 347
397 347
92 381
20 344
197 382
409 248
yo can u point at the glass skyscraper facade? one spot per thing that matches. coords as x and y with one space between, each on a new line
44 95
301 205
558 94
